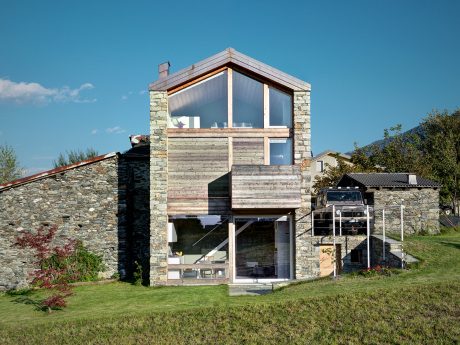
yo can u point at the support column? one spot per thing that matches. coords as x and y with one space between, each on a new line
305 264
158 187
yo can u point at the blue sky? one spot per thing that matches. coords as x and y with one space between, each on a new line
74 75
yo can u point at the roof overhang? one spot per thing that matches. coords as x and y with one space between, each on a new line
229 57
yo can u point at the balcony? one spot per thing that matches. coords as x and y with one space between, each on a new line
265 187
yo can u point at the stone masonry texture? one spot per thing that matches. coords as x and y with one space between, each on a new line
158 187
302 156
84 203
421 210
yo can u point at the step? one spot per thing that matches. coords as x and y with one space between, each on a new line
255 289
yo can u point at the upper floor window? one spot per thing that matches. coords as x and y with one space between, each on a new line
248 102
319 166
280 108
254 104
201 105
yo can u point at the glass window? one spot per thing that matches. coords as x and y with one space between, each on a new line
280 108
248 102
262 248
201 105
198 247
281 151
319 166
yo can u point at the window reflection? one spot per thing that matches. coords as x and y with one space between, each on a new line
281 151
248 102
280 108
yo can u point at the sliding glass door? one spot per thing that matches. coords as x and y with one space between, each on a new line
263 248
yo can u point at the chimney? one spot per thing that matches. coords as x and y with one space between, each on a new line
163 69
412 179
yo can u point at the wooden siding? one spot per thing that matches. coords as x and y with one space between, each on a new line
265 187
248 151
229 132
198 181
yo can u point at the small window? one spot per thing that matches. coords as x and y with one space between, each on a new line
201 105
356 256
319 166
281 151
280 108
248 102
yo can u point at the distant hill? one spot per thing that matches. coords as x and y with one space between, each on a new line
383 142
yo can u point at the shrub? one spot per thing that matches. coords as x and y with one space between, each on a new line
137 274
82 265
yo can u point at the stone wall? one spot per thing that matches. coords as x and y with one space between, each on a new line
158 187
302 156
86 203
421 210
311 246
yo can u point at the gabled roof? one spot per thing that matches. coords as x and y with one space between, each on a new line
55 171
229 57
331 153
385 180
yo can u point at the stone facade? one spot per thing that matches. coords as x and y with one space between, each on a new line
86 203
421 210
158 187
302 155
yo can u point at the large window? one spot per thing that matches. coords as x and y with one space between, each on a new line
280 108
198 247
202 105
248 102
263 248
281 151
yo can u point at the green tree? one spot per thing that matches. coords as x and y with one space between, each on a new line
9 164
441 146
74 156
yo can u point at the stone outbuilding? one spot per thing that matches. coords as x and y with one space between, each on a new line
418 195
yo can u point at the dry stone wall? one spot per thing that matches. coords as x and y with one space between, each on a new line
86 203
421 210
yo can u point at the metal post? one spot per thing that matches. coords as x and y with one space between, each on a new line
312 223
368 238
402 236
340 222
383 229
334 261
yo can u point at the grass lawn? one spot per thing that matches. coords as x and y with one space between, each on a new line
421 305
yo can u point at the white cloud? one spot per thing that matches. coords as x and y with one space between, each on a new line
142 92
94 131
24 92
115 130
124 98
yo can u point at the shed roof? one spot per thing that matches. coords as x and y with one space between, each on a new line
55 171
385 180
227 57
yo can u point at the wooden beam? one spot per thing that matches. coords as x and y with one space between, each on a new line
230 98
266 107
230 153
229 132
266 151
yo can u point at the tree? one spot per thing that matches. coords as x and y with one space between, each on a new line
9 165
441 146
74 156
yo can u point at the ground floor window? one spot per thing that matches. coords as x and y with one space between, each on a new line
263 247
198 247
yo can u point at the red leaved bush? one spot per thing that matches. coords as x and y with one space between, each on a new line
45 276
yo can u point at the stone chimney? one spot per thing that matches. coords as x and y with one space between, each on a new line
412 179
163 70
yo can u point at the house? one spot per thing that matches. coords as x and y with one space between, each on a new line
218 192
328 157
418 195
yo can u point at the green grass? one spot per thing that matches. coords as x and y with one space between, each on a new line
421 305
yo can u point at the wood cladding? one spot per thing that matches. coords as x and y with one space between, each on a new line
198 179
265 187
229 132
248 151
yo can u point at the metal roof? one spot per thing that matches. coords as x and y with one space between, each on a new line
226 57
55 171
332 153
386 180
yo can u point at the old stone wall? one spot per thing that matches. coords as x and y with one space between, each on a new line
421 210
311 246
158 187
302 156
86 203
